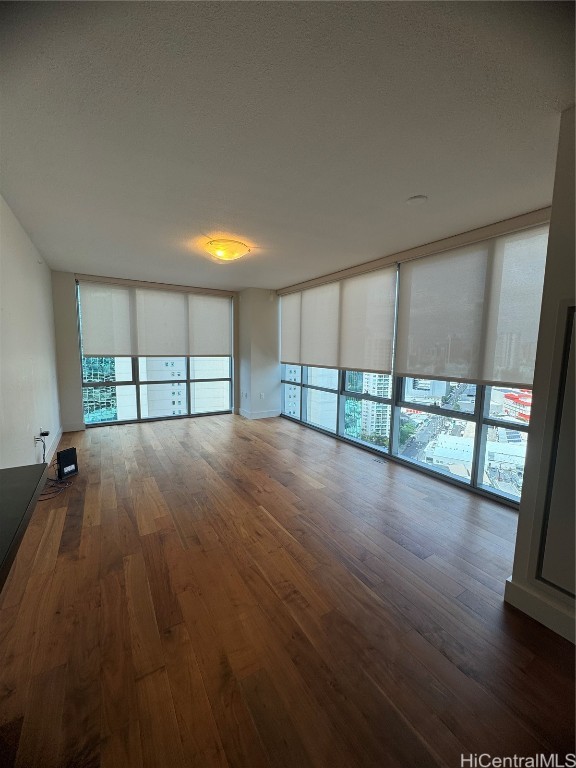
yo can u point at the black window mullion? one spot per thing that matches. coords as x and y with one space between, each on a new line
340 403
371 398
397 387
321 389
477 468
506 424
136 379
188 388
303 392
438 411
99 384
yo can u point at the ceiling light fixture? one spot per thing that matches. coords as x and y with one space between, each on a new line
227 250
417 199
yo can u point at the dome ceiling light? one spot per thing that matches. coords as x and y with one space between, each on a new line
227 250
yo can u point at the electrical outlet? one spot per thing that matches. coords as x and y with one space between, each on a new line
261 395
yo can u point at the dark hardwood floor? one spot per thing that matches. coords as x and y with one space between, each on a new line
220 592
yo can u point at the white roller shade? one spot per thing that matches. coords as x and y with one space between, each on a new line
161 323
367 321
290 317
105 312
320 325
121 320
210 325
440 310
514 307
345 324
473 313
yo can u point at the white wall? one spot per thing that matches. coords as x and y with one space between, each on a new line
259 354
543 601
28 388
68 360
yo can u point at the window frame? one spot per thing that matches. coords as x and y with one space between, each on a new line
306 387
396 402
286 382
360 396
487 421
138 383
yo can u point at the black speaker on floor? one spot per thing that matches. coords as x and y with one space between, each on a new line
66 463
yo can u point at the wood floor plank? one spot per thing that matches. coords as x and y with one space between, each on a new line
240 739
49 544
15 586
159 733
81 713
492 722
226 593
324 743
144 509
9 738
147 653
122 748
41 735
201 741
18 646
55 619
279 736
117 685
92 504
72 531
166 606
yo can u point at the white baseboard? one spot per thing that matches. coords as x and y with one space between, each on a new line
258 414
558 617
51 449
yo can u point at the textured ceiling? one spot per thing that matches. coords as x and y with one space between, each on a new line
132 130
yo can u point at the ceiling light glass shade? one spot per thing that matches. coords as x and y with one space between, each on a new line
227 250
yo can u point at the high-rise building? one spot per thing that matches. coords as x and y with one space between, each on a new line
376 416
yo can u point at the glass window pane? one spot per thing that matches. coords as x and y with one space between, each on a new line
291 372
161 368
367 421
321 409
452 395
503 453
104 404
375 384
106 369
291 400
157 400
323 377
509 404
210 396
440 443
209 367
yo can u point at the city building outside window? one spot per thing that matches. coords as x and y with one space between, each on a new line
121 389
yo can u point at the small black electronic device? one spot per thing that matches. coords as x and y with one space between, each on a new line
66 463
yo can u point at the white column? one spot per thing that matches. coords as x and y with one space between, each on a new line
546 516
258 345
68 362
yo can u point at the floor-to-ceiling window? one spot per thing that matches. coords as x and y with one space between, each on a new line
474 434
429 362
133 381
